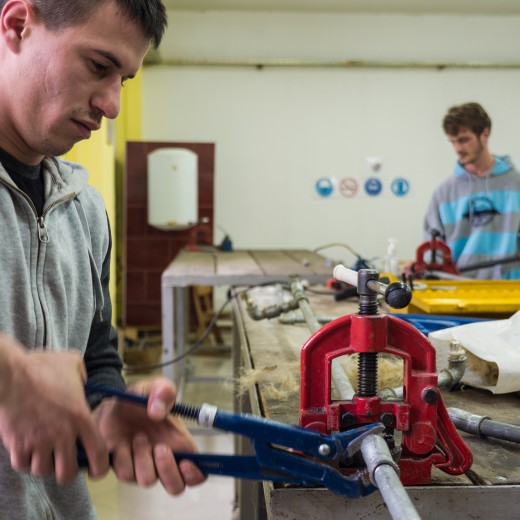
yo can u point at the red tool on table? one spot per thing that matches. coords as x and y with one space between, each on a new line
428 436
431 256
433 260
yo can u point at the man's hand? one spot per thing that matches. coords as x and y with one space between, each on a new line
43 412
143 440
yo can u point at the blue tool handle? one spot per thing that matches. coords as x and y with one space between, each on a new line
238 466
252 426
114 392
245 424
244 467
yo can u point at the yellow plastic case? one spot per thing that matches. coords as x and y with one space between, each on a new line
466 297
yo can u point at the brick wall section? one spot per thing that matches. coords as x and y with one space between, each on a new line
148 251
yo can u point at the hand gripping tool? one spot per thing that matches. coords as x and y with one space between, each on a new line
282 453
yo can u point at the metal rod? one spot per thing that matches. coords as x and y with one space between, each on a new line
447 377
292 320
396 499
384 474
490 263
483 426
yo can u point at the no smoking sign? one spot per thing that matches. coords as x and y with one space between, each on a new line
348 187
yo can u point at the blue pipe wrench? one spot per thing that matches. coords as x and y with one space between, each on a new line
282 453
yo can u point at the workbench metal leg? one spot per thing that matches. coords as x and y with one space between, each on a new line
180 338
167 330
174 334
252 501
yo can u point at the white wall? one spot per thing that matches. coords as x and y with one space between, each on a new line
277 130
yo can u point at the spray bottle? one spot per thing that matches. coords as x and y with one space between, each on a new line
391 264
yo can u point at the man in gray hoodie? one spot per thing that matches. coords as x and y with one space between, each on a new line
62 66
477 210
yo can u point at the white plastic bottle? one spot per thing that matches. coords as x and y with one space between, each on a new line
391 264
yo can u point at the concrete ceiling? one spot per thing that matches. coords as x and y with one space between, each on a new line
470 7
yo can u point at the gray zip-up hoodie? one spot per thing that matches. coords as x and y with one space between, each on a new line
54 273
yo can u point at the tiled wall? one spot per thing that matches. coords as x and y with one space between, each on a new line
148 251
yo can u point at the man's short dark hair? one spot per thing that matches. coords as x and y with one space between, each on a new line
58 14
469 115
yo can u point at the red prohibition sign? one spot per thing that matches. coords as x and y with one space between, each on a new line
348 187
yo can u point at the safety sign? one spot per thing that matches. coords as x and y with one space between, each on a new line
373 186
400 187
348 187
324 186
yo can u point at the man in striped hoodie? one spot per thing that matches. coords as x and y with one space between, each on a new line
477 210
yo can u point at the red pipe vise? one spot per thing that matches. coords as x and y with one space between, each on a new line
428 436
439 254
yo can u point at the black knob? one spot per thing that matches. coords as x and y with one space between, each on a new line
388 419
398 295
347 419
430 395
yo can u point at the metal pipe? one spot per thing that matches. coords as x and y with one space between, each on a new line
272 311
441 275
293 320
447 378
299 296
483 426
384 474
341 382
491 263
339 64
456 366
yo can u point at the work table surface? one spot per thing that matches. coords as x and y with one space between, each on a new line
211 267
244 267
273 346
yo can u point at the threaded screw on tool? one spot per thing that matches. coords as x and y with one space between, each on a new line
367 374
186 410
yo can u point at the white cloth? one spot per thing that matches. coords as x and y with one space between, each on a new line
495 343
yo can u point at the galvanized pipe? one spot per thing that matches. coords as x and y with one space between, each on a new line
272 311
483 426
384 474
293 320
447 377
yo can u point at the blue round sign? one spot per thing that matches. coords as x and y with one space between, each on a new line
373 186
324 187
400 187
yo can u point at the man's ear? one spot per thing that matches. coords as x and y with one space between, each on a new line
13 22
485 133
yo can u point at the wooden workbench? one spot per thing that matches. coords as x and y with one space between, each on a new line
273 346
235 268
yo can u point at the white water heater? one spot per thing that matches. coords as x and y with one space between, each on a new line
172 188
